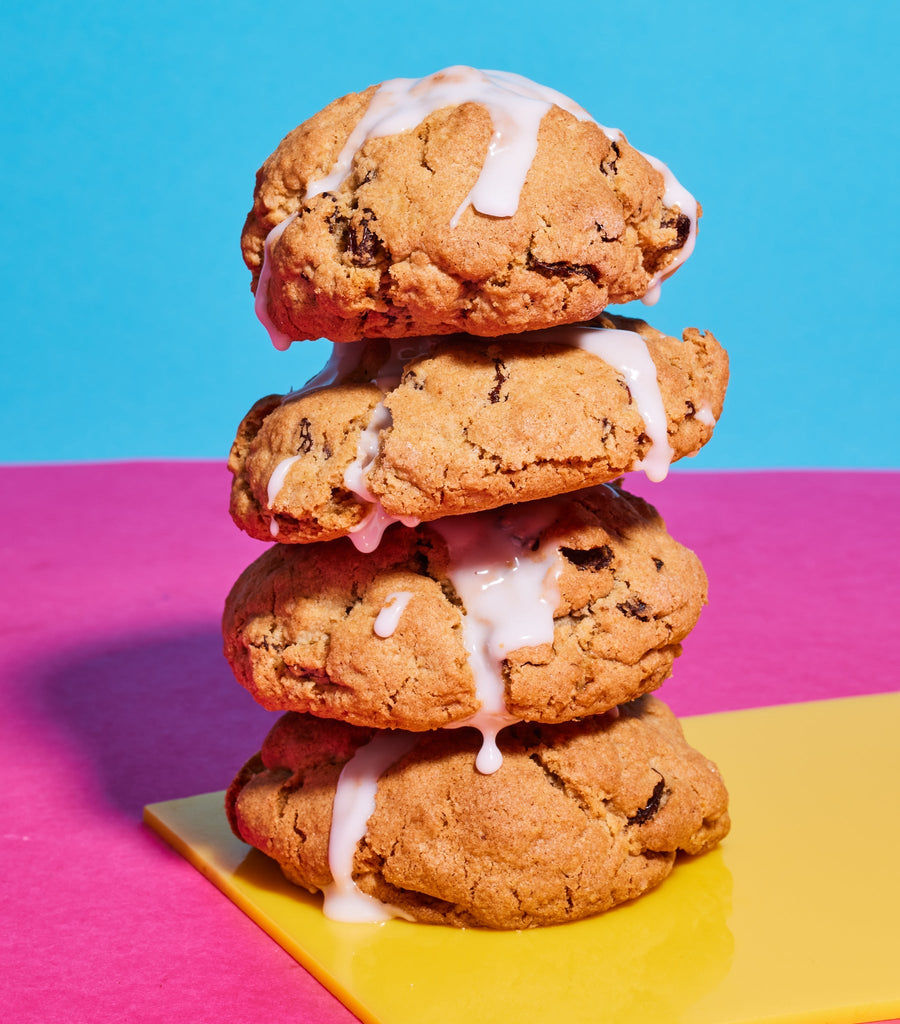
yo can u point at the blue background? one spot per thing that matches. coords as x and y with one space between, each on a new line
130 143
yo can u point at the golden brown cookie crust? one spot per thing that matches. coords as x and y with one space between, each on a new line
299 629
473 426
377 257
580 817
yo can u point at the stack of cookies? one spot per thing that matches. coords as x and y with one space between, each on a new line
463 613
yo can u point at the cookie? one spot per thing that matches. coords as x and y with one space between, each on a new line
544 611
445 426
579 818
468 201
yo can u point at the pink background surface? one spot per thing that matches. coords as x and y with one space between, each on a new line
114 694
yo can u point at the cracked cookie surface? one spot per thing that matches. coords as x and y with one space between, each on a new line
299 624
380 255
579 817
471 426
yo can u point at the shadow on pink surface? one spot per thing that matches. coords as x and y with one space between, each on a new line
151 716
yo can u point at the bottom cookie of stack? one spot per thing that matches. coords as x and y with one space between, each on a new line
580 816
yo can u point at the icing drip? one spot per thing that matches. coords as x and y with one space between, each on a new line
367 451
388 618
516 106
626 352
276 480
280 340
366 535
273 488
509 592
354 804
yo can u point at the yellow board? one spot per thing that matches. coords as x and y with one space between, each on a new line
796 917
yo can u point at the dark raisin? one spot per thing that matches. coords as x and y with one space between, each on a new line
635 608
362 242
333 217
420 561
659 563
562 269
501 378
306 441
608 166
651 806
682 224
410 378
593 558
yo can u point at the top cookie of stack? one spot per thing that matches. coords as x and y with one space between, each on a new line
467 201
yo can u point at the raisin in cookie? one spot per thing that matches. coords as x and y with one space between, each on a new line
444 426
544 611
465 201
579 817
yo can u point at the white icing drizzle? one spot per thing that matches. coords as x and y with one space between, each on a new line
387 620
354 804
367 452
276 480
627 352
273 488
516 106
366 535
280 340
509 593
